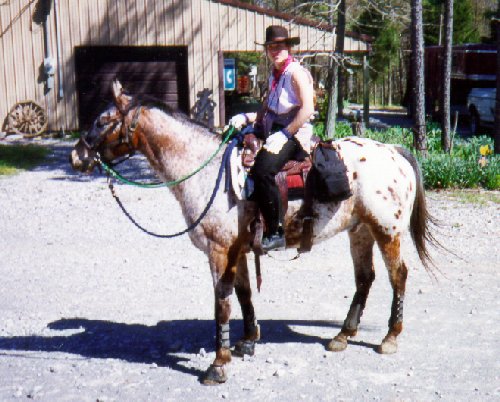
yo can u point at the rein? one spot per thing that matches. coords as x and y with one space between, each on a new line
225 164
109 169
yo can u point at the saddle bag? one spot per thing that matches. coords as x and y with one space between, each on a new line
328 175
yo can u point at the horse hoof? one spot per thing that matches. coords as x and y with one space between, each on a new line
337 344
215 375
388 346
243 348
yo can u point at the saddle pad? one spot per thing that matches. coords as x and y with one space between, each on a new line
295 181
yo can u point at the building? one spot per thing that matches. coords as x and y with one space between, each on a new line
63 54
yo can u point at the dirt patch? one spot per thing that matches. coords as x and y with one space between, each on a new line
93 309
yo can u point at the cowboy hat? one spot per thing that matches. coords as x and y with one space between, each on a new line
278 34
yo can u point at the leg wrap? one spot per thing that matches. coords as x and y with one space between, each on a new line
396 310
222 336
355 311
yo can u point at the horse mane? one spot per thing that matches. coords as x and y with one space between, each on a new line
153 102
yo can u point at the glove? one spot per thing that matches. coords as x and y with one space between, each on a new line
238 121
276 141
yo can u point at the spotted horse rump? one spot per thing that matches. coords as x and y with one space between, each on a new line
387 202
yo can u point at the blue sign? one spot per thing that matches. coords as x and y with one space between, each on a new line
229 75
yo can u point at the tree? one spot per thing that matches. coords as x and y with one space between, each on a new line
417 45
466 29
339 49
445 94
332 88
497 105
387 23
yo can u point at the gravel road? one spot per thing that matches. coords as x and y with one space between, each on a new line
93 309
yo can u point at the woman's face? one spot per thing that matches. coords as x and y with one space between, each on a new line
277 52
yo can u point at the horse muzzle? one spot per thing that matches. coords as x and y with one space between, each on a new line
82 159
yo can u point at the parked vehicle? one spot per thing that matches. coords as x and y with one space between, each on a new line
474 65
481 107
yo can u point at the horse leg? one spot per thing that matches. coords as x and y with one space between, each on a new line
398 272
361 242
251 330
223 266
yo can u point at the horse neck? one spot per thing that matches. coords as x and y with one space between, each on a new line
175 147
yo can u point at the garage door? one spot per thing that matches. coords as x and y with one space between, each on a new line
158 72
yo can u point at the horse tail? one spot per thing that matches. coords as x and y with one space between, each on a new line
420 219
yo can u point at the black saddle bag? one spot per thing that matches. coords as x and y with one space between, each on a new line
328 179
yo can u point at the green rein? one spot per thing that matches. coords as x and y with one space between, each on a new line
119 177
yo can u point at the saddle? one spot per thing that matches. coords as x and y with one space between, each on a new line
290 180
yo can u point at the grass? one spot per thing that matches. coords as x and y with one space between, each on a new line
14 158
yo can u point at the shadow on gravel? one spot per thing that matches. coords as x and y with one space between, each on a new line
136 168
159 344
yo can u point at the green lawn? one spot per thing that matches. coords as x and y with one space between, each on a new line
14 158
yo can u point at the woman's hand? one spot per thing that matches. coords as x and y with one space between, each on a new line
241 119
276 141
238 121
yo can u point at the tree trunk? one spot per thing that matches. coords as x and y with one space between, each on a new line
497 105
339 49
331 117
417 39
400 77
366 92
332 100
445 93
389 89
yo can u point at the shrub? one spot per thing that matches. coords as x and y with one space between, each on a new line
471 163
446 171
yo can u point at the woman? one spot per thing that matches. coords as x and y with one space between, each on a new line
284 121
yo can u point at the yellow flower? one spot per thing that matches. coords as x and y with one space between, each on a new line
485 150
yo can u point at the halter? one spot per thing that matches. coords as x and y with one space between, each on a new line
125 136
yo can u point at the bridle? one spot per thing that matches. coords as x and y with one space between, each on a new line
125 132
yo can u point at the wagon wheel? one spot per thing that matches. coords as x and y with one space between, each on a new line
27 118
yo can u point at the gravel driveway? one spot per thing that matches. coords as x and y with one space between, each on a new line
93 309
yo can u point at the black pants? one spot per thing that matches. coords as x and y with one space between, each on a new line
266 191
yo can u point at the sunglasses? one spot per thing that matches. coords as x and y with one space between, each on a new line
277 46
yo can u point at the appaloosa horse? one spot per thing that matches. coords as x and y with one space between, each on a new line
388 201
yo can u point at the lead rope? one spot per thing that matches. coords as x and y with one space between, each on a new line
224 164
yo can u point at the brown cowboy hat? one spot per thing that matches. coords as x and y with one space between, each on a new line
278 34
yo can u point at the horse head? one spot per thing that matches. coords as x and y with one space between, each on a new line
112 134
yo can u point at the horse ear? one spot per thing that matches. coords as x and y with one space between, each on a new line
122 101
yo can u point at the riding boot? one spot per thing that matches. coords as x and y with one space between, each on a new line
275 241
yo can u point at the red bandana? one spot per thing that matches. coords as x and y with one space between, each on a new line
278 73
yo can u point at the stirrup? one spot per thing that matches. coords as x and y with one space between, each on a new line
274 242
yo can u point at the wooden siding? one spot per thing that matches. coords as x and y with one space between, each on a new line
204 26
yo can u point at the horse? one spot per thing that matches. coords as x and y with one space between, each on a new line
387 202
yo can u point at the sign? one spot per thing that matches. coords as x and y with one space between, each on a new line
243 84
229 75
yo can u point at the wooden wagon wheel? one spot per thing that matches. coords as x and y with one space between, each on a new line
27 118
